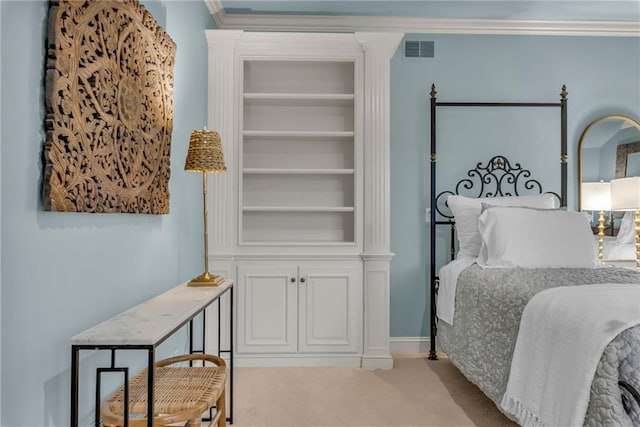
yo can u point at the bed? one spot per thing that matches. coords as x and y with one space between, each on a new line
477 320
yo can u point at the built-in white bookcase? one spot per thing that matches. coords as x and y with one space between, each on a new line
299 153
300 220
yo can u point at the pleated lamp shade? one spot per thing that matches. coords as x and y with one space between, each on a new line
625 194
205 152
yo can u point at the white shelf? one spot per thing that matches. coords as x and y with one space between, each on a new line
284 243
298 76
304 153
298 226
270 171
300 96
306 190
298 134
298 209
298 115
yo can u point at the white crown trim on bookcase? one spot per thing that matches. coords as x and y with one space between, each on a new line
216 9
321 23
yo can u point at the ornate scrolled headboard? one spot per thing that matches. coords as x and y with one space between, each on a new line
498 177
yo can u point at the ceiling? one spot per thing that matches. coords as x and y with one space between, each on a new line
619 18
600 10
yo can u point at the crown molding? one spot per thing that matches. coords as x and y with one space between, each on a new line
322 23
216 9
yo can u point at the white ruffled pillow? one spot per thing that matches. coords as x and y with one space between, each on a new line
466 211
536 238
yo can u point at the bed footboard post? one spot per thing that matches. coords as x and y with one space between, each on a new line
434 321
563 145
432 228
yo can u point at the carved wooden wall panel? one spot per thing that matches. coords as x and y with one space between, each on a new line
109 109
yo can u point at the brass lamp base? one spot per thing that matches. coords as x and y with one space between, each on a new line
206 279
637 223
601 236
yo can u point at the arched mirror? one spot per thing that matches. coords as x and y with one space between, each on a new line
609 148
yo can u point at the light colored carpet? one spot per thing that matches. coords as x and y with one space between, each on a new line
417 392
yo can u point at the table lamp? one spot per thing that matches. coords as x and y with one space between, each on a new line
205 155
625 196
596 196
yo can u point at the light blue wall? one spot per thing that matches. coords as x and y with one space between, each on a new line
63 272
601 75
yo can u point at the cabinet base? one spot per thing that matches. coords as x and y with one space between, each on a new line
377 362
258 361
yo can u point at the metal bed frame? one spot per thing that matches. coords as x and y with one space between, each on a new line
497 178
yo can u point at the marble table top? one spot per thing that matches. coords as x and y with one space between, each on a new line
150 322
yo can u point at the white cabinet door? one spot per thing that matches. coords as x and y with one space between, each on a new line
330 304
309 308
267 309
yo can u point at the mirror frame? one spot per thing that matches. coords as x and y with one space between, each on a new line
626 119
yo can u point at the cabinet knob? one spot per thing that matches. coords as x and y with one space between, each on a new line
302 280
293 280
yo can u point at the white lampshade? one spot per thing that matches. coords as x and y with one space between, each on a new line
625 194
596 196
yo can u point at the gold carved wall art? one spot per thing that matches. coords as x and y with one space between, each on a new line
109 108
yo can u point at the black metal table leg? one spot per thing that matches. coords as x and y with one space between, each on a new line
74 385
150 390
231 355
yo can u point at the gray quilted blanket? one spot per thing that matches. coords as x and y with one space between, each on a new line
489 304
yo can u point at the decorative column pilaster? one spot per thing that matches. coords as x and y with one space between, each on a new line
222 117
378 49
221 198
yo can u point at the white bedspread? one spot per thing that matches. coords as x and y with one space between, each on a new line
448 276
563 332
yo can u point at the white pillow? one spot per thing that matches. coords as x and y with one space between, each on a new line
466 211
627 231
536 238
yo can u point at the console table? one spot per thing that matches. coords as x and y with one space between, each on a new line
144 327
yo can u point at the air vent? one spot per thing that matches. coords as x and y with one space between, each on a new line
418 49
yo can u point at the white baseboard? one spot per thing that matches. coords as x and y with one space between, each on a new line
409 344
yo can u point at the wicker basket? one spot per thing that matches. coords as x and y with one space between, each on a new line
182 394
